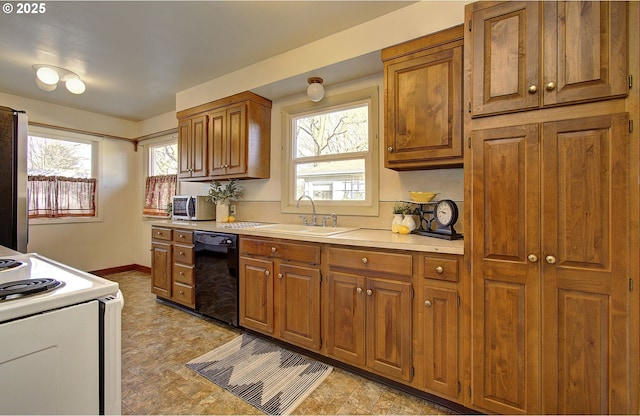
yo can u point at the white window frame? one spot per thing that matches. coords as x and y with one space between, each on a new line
96 168
367 207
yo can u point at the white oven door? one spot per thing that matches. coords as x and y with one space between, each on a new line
49 363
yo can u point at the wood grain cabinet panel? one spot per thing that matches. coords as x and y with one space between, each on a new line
280 289
528 55
369 316
226 138
550 274
423 102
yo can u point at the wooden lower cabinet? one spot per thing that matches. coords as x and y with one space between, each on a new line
369 316
172 265
437 326
280 290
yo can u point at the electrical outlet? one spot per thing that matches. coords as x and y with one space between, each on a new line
232 209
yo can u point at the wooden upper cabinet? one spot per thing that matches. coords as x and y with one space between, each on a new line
192 147
580 56
232 141
423 102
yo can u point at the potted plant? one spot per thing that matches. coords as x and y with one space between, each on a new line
223 195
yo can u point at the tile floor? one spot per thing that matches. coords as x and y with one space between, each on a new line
157 340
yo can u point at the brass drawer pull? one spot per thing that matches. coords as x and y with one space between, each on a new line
439 269
364 260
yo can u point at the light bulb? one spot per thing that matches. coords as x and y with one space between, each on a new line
47 75
75 85
315 90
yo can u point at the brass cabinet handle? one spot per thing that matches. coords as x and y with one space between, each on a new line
439 269
550 86
427 303
532 258
390 149
369 292
279 275
364 260
181 273
533 89
550 259
273 249
267 273
159 232
181 292
359 290
182 253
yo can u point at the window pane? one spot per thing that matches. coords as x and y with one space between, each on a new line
331 181
163 160
54 157
335 132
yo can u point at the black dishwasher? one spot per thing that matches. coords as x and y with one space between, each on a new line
216 275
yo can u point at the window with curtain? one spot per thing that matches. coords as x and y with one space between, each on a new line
62 174
162 180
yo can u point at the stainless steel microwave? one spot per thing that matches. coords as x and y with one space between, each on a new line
193 208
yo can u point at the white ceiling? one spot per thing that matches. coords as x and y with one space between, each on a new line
135 56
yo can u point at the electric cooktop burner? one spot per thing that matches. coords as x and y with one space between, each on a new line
20 288
6 264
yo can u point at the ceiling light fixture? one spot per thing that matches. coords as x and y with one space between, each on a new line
48 76
315 90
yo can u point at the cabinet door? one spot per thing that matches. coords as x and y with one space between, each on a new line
298 290
438 338
192 147
236 143
199 146
585 265
505 42
161 260
388 327
256 294
217 135
505 280
346 318
424 111
184 148
585 50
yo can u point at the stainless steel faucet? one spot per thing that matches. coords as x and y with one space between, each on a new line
313 206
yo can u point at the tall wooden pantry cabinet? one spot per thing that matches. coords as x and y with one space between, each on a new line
551 174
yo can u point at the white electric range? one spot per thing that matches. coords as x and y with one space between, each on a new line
59 339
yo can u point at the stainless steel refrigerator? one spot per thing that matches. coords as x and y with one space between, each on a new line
14 221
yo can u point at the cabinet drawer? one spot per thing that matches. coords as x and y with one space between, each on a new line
300 252
161 234
183 274
375 261
440 268
182 236
183 254
183 294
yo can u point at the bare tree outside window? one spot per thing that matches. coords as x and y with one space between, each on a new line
53 157
163 160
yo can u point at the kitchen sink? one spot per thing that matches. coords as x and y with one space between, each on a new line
304 229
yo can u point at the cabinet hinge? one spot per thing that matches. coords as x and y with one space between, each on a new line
320 277
413 372
458 301
630 81
469 107
630 126
469 142
469 266
630 285
470 25
413 293
469 391
459 387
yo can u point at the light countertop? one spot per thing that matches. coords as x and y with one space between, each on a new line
362 237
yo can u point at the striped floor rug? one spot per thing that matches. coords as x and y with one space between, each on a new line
263 374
